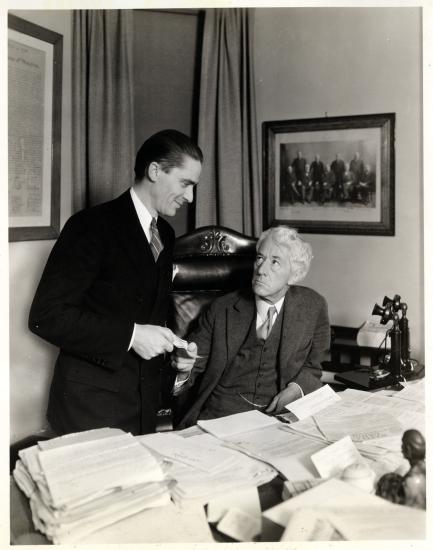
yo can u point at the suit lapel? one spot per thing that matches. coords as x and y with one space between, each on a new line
133 237
130 232
238 321
239 318
292 329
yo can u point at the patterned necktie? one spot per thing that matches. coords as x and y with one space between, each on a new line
264 329
155 240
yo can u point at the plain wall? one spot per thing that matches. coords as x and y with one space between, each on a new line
312 63
32 359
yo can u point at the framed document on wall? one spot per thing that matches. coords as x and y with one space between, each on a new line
34 130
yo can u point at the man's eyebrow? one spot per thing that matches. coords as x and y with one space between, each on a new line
188 182
274 257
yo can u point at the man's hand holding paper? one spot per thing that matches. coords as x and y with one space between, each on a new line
183 359
152 340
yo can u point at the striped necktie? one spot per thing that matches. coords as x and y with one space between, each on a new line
155 240
264 329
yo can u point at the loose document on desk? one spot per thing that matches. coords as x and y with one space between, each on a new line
375 421
288 452
378 438
234 424
355 523
313 402
352 513
333 459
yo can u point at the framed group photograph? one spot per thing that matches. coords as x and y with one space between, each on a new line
34 130
330 175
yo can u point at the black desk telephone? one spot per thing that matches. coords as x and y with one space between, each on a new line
397 366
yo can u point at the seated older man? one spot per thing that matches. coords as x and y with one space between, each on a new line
259 349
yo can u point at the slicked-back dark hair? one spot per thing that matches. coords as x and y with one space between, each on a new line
168 148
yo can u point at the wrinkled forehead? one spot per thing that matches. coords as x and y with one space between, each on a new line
270 247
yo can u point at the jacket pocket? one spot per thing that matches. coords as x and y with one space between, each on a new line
81 371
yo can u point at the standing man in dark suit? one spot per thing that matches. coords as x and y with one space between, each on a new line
298 165
357 168
317 173
338 167
103 295
259 349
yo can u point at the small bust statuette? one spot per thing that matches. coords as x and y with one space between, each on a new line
390 487
414 482
409 489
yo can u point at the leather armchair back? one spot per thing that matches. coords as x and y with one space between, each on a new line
210 261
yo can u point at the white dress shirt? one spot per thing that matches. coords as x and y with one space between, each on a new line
262 311
144 216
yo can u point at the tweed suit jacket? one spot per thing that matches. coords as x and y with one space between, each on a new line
100 279
223 328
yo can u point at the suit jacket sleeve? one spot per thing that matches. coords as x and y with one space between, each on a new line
202 336
308 376
60 312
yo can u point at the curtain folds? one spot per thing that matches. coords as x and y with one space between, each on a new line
103 137
229 190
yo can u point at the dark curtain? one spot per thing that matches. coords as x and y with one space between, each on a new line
103 138
229 189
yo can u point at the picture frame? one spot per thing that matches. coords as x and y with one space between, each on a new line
331 175
34 130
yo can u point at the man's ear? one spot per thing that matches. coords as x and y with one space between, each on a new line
153 171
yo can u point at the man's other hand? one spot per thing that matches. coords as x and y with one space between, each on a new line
183 360
286 396
152 340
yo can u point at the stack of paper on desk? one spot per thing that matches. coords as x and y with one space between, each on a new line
164 524
82 482
202 468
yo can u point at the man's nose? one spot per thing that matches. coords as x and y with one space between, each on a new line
189 193
262 268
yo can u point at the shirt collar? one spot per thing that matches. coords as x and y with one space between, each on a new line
262 306
143 213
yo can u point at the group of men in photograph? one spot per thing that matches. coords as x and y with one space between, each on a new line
320 182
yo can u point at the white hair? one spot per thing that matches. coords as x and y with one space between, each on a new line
299 252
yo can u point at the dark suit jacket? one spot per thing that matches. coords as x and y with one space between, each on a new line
99 280
223 328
